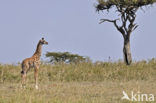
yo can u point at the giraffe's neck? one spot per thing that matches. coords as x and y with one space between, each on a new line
38 50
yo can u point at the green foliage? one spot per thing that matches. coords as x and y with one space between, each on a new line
65 57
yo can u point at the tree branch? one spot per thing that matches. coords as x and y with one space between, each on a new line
135 27
104 20
120 29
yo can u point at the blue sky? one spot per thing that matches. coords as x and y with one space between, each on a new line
72 26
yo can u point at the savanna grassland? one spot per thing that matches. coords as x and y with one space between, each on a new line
101 82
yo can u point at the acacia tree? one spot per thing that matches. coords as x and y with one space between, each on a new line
66 57
126 10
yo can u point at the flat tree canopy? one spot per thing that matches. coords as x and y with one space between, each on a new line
65 57
107 4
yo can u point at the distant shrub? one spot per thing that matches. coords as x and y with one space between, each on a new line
65 57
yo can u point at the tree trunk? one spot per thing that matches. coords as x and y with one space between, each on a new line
127 51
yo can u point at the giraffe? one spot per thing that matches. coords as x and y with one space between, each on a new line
32 62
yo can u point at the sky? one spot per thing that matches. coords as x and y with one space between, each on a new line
70 26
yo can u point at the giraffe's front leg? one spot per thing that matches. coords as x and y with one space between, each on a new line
36 77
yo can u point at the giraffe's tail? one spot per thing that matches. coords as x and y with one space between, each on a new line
22 66
22 72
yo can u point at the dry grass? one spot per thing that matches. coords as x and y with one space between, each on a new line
78 83
73 92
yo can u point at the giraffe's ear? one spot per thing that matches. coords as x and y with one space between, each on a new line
42 38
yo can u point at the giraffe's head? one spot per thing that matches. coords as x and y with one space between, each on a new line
42 42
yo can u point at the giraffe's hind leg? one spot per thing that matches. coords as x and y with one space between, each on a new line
23 76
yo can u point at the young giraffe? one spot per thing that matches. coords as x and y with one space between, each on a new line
32 62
